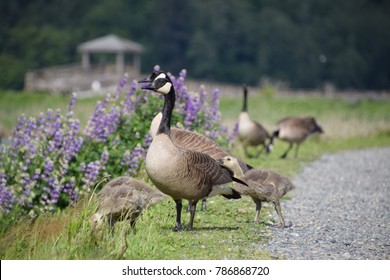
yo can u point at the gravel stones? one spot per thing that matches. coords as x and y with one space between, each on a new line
340 209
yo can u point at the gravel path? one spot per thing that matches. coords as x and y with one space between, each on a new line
340 209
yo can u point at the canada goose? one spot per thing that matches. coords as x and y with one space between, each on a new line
191 140
250 133
124 198
179 172
263 185
196 142
295 130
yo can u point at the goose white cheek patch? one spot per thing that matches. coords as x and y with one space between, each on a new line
165 89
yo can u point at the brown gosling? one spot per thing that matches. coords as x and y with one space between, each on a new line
295 130
124 199
250 132
263 186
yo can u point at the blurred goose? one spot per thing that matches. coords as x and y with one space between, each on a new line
180 172
123 199
191 140
250 133
263 185
295 130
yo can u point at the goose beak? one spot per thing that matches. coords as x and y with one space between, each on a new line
239 181
149 87
319 129
145 80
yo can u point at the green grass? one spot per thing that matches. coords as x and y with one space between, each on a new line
226 230
13 104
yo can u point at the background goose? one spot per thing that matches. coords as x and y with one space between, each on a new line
179 172
191 140
295 130
250 133
262 185
123 199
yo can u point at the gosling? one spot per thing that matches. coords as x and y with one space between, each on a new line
263 185
124 199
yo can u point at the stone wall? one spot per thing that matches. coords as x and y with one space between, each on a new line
72 77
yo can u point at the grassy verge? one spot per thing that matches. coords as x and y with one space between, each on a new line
225 230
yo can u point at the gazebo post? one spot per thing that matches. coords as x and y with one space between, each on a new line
85 60
120 63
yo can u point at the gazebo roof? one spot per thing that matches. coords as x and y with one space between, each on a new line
110 44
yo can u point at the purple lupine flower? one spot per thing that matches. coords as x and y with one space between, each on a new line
215 104
121 86
104 159
132 160
103 122
192 108
234 133
135 157
70 188
91 173
7 198
128 105
72 102
94 128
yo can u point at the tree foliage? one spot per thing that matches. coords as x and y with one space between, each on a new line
300 42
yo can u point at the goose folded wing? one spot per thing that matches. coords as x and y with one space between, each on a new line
205 167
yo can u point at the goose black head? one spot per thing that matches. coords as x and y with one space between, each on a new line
161 84
151 77
312 125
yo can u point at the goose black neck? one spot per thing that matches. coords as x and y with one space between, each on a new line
245 100
169 103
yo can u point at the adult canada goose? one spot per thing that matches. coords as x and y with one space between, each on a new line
191 140
263 185
295 130
250 133
123 199
179 172
196 142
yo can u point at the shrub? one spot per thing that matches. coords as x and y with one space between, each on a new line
51 162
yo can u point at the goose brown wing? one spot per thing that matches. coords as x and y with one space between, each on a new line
196 142
207 169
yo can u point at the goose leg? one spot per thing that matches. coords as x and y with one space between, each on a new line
259 152
258 208
246 151
296 151
179 206
192 213
203 207
279 211
286 152
111 222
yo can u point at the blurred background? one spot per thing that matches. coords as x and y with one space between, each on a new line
298 43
